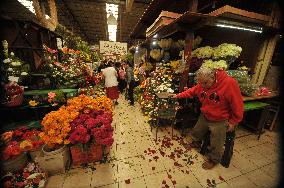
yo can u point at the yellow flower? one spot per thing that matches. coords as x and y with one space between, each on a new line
33 103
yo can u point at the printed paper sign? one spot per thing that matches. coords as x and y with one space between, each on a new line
108 47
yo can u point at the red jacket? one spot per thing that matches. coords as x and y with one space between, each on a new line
223 101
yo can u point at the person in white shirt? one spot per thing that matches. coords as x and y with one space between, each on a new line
111 83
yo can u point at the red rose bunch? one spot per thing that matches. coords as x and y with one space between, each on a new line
11 151
12 89
20 140
94 126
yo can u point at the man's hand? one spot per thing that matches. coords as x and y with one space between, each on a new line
172 95
231 127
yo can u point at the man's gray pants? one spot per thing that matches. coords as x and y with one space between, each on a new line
217 136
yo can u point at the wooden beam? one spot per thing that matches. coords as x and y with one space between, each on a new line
74 19
192 5
128 5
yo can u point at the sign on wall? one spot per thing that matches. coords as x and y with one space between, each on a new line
108 47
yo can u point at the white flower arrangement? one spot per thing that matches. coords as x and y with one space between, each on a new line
16 63
24 73
165 43
221 64
203 52
156 54
8 60
225 50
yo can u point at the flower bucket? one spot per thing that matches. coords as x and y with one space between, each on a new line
106 150
80 156
15 164
16 101
34 154
56 161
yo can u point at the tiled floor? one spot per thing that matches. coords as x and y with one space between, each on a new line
136 160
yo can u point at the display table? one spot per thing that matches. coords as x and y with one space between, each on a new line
272 95
256 105
72 92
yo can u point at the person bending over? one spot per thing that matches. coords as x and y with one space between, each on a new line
221 110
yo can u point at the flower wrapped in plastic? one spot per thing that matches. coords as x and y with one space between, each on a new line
156 54
205 52
226 50
240 75
249 89
218 65
165 43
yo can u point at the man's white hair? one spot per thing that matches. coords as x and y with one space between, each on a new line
205 73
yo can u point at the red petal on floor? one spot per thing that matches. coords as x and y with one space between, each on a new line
153 168
169 176
150 160
145 151
164 182
127 181
166 186
221 178
174 182
187 171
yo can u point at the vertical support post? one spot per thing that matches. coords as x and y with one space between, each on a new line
192 7
187 52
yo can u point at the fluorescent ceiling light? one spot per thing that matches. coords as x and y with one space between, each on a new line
155 36
154 42
239 28
137 48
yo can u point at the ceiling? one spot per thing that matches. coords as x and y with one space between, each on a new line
85 18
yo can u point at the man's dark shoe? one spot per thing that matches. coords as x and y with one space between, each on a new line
116 103
195 144
207 165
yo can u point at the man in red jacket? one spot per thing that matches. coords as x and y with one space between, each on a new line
222 109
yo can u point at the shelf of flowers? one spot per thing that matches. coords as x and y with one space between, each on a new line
70 70
84 125
221 57
159 81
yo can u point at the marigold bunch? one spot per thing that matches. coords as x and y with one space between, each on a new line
56 126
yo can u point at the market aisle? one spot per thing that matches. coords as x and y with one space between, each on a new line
137 161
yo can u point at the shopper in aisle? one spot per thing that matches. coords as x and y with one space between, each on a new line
130 81
111 83
222 109
121 77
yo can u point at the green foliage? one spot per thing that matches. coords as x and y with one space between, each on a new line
59 97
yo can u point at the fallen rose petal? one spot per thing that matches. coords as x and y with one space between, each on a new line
187 171
164 182
174 182
127 181
221 178
153 168
169 176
